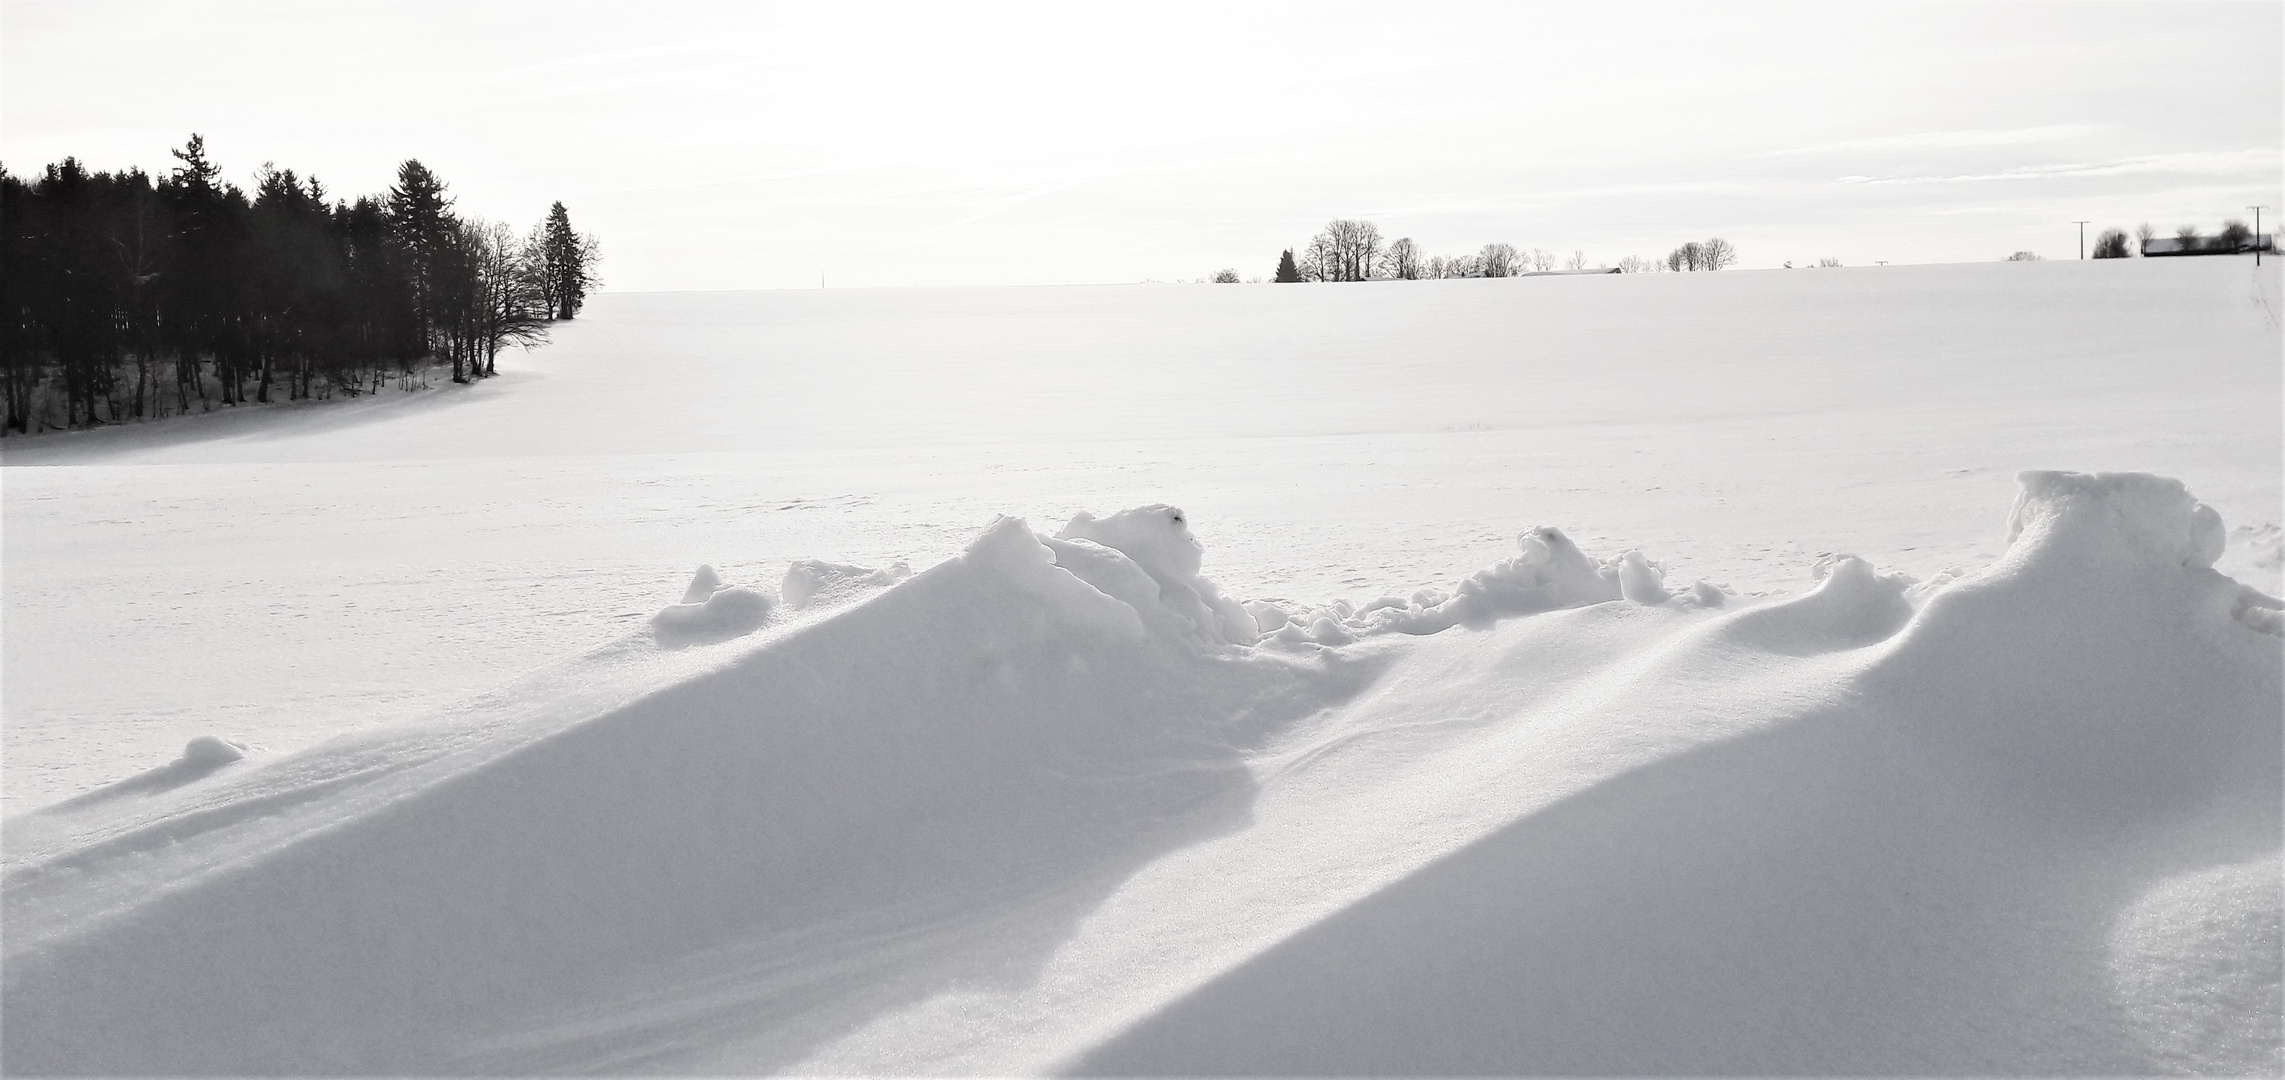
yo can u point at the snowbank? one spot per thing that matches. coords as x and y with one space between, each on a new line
1060 803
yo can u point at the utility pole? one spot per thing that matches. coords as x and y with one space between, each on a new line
2082 239
2257 234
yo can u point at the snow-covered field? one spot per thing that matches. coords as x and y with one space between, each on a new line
2001 795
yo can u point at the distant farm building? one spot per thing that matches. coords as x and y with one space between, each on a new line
2206 245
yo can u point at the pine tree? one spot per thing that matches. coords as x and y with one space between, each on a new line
1286 271
195 172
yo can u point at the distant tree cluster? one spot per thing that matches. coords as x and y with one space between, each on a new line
128 297
1354 250
1714 254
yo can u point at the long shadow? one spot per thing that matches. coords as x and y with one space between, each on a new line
1835 896
204 757
847 776
283 420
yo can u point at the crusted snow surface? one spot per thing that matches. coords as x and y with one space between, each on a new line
1060 804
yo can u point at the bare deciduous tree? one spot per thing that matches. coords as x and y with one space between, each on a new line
505 307
1318 260
1578 260
1719 254
1346 251
1402 260
1498 260
1226 276
1542 260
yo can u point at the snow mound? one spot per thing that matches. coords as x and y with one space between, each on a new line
1157 540
710 611
210 751
1550 573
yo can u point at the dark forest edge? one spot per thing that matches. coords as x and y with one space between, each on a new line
132 298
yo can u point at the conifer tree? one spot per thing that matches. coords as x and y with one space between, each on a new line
567 260
420 218
1286 271
195 173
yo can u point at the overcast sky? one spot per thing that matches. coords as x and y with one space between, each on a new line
735 145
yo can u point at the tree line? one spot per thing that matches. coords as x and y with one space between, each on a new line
1354 250
2234 237
130 297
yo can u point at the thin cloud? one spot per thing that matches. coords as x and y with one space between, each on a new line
2208 162
1946 140
1010 202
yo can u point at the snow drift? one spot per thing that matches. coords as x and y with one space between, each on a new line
1061 804
1920 866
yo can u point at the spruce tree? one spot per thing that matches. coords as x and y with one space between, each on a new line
420 219
567 258
1286 271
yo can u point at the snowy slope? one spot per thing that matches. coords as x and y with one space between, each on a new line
1057 803
279 579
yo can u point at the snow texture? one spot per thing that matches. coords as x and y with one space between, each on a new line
1681 787
815 581
1048 806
